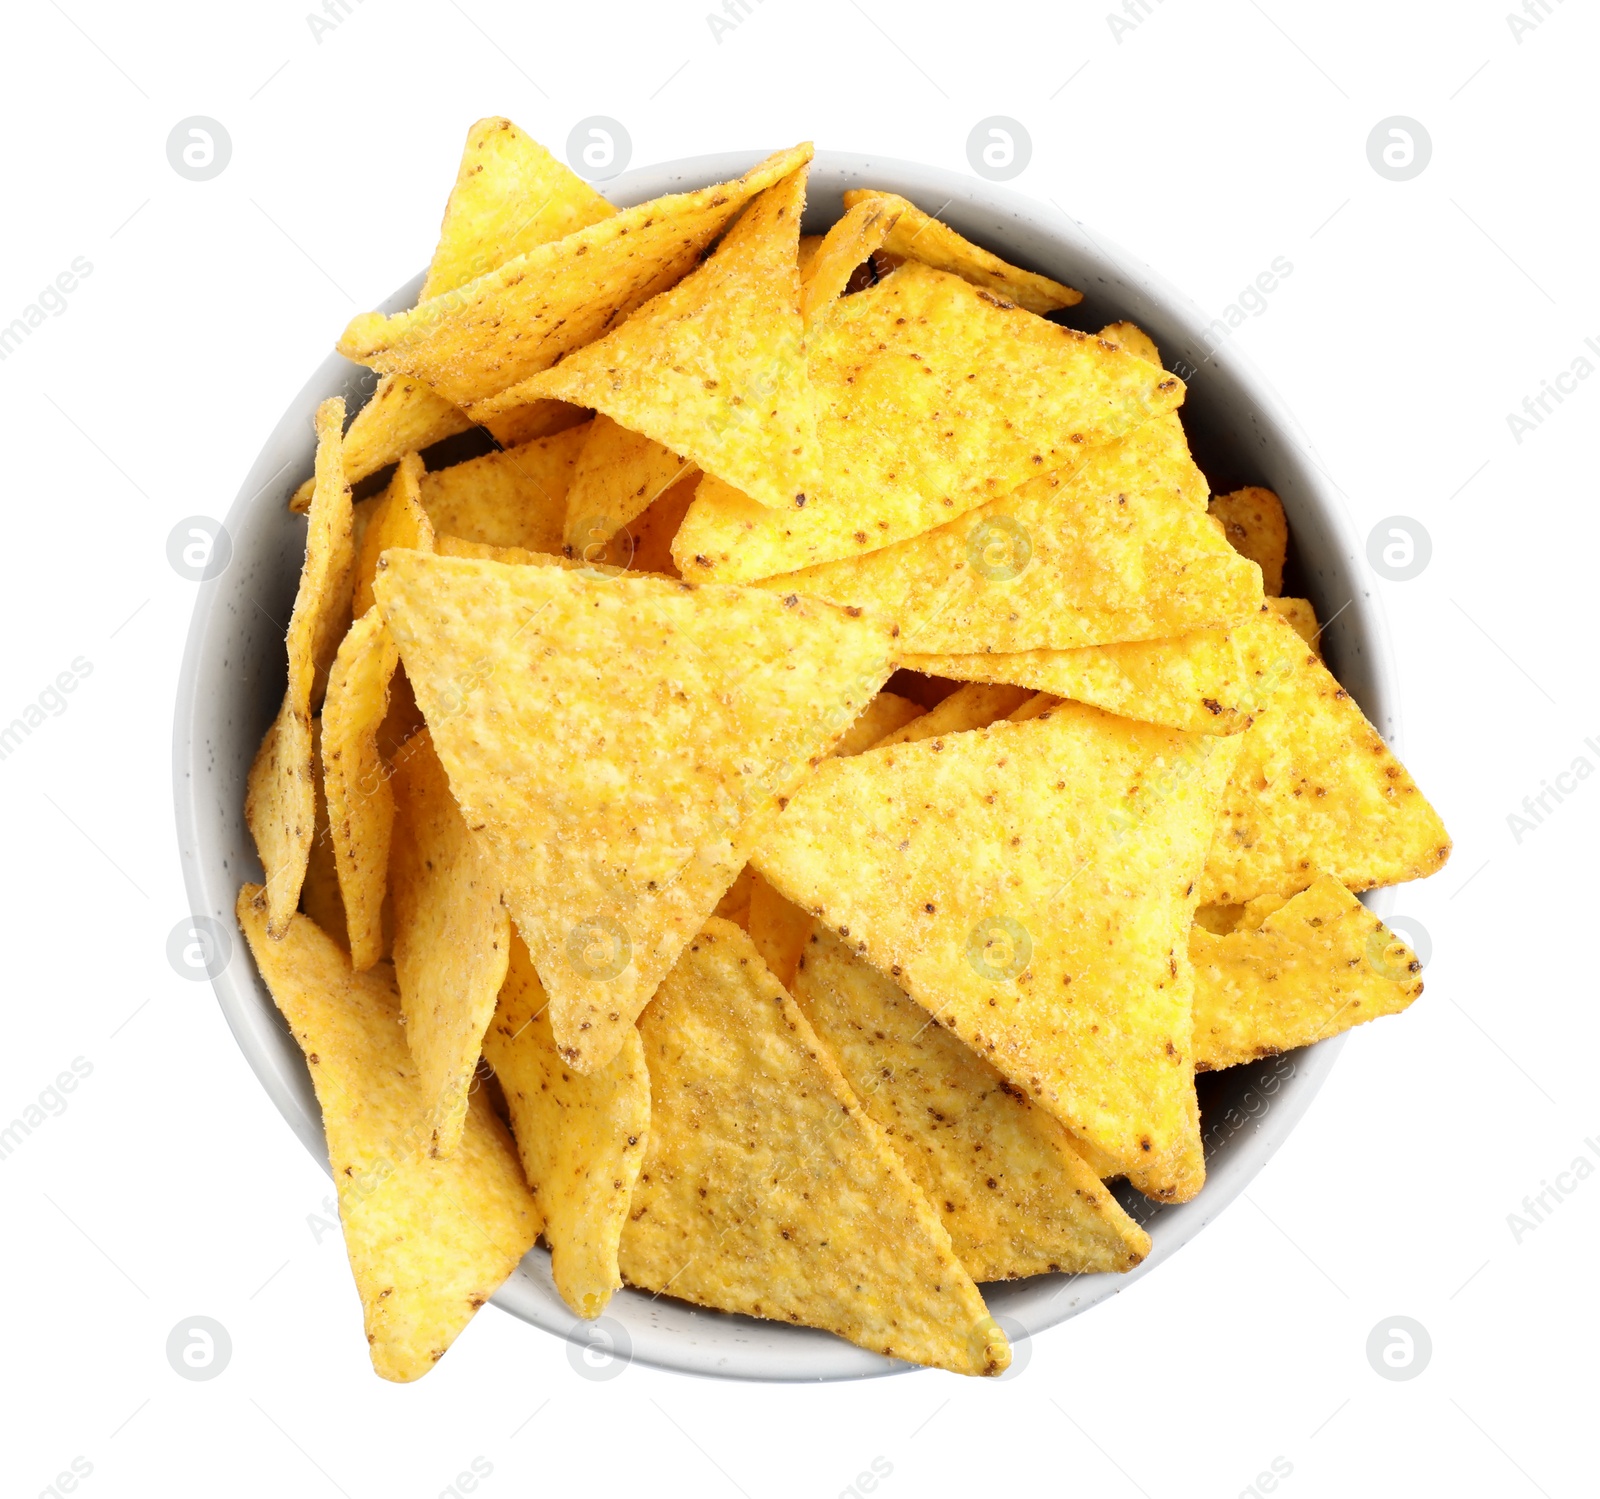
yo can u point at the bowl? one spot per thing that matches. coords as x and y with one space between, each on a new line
233 679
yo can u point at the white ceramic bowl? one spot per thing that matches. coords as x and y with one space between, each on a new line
233 678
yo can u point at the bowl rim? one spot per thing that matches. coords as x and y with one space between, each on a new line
672 1335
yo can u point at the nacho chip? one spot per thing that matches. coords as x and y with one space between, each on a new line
1003 1175
540 419
918 237
452 937
806 251
735 903
975 706
1035 707
1134 339
850 241
1115 552
581 1139
429 1240
319 892
1255 526
932 398
1032 887
618 476
513 498
1299 614
885 714
1315 790
619 739
766 1190
360 798
1208 681
714 368
779 929
1293 973
650 537
522 316
280 800
397 519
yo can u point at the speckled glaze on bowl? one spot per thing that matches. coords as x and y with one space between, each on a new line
233 678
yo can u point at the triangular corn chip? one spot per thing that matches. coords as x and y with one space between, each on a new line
522 316
1115 551
397 519
1002 1174
1208 681
280 799
510 195
618 738
714 368
1032 885
1316 789
779 929
319 892
850 241
429 1240
452 936
356 777
647 541
974 706
1134 339
581 1139
514 498
618 476
1253 521
885 714
932 398
1294 973
1302 617
766 1190
916 236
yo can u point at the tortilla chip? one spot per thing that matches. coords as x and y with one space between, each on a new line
651 535
619 475
540 419
1209 681
885 714
806 251
510 196
850 241
975 706
1218 920
714 368
280 800
1302 617
429 1240
360 798
766 1190
522 316
1253 521
1306 969
452 937
1032 887
735 903
779 929
513 498
918 237
581 1139
932 398
1035 707
1115 552
1316 790
619 739
1134 339
1015 1195
319 892
397 519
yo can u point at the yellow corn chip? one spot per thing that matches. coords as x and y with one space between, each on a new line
885 714
618 476
850 241
918 237
429 1240
513 498
1032 886
932 397
452 936
1002 1174
975 706
541 419
1316 789
280 799
360 798
1134 339
1035 707
735 903
779 929
714 368
650 537
807 249
1208 681
581 1139
766 1190
396 520
1218 920
1302 617
1112 553
618 739
1305 969
319 892
1254 523
522 316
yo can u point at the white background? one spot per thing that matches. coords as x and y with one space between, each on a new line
1212 138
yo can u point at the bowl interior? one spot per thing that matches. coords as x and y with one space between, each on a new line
233 679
